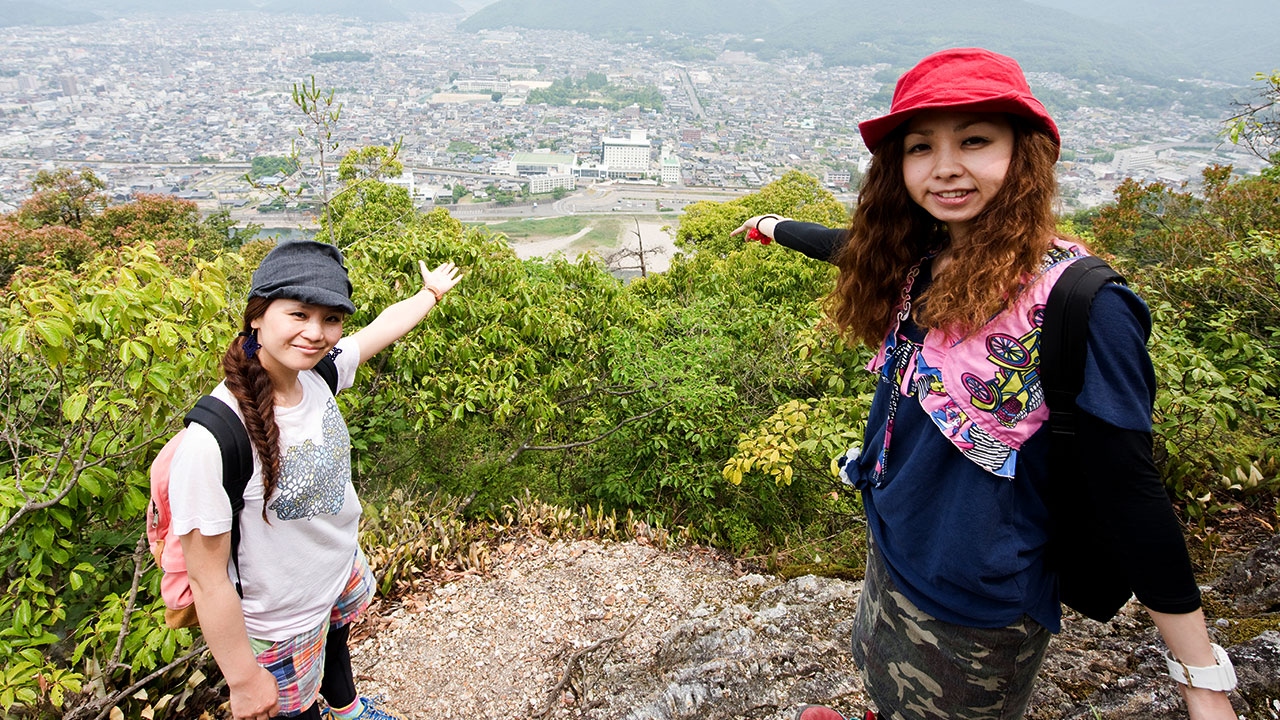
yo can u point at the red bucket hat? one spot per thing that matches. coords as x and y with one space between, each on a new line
970 79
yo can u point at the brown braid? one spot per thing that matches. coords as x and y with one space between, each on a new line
251 386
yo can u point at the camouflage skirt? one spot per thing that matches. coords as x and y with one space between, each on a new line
916 666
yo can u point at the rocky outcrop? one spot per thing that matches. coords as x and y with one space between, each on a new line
1253 585
593 630
758 660
790 646
1121 675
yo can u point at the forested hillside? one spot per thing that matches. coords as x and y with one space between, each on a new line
1236 38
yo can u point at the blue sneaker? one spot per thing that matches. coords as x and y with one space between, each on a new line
369 710
373 712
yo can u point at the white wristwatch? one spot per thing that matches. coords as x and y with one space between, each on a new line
1221 677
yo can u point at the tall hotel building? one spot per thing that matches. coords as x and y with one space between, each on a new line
627 157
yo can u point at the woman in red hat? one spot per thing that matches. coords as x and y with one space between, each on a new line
945 269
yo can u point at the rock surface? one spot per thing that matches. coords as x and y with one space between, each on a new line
622 630
1254 583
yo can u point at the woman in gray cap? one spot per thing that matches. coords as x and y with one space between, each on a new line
283 642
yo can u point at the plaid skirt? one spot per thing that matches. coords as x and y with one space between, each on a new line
298 662
916 667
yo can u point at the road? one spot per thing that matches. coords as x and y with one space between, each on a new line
599 198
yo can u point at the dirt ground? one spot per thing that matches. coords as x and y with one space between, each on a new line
497 646
658 245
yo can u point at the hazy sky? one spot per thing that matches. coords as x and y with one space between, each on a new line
1240 35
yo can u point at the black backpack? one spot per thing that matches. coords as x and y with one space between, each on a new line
1091 580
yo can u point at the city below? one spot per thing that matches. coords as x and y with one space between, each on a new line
183 105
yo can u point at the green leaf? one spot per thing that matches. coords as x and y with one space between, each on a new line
89 482
73 407
43 536
168 647
53 332
22 616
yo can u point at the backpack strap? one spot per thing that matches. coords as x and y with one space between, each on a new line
328 369
237 460
1064 342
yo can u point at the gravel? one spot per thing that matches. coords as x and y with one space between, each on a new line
498 645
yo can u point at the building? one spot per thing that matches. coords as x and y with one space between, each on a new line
626 157
670 170
482 84
405 180
837 178
591 171
1135 161
544 170
543 163
539 184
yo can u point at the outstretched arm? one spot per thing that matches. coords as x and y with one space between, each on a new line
764 225
810 239
398 319
1128 493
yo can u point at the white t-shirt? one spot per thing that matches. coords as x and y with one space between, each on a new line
294 568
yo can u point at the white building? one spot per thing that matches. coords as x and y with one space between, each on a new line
670 170
405 180
836 178
627 157
543 163
592 171
1131 161
539 184
544 170
482 84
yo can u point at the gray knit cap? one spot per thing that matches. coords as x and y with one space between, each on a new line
304 270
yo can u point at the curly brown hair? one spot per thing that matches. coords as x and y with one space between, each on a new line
251 386
889 233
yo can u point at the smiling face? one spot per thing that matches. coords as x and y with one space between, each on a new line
954 163
296 335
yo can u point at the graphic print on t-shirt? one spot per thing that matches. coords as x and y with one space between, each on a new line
313 478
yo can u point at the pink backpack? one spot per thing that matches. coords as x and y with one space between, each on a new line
166 548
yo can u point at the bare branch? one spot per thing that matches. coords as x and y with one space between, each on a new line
569 446
32 505
575 660
104 705
1257 124
609 390
139 566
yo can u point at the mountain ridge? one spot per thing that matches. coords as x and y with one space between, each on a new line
1043 35
75 12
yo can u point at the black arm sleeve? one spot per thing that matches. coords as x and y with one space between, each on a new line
1135 513
816 241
